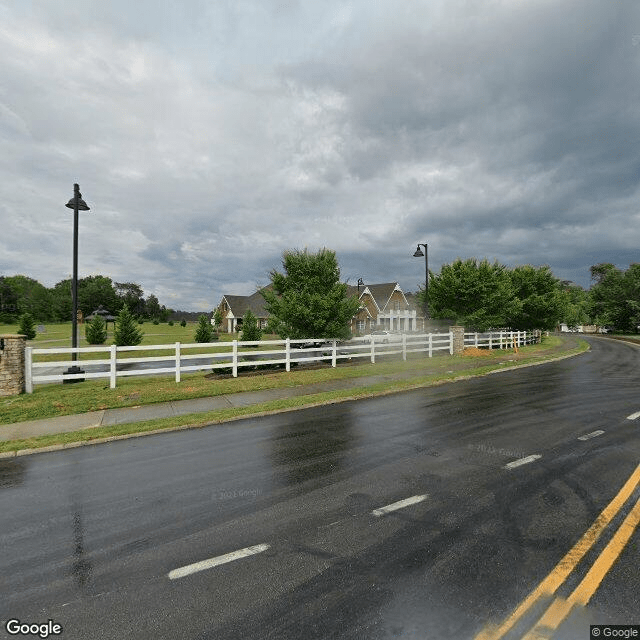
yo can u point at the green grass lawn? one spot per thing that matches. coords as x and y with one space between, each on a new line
58 335
54 400
50 400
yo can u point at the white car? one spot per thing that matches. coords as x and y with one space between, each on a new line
381 336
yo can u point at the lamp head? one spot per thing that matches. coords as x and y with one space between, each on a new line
77 198
418 253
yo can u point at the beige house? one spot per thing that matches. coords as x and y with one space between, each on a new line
382 306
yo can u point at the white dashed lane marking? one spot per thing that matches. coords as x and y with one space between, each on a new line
634 416
398 505
519 463
214 562
593 434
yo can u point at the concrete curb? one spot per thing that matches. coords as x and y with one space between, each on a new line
258 414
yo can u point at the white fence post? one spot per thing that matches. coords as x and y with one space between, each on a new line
28 373
234 358
113 358
476 337
502 339
490 343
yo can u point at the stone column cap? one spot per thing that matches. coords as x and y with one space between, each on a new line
12 335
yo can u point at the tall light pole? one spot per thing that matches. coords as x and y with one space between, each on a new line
77 204
419 254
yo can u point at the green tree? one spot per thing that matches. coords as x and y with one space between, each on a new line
576 305
217 319
475 293
204 330
96 291
308 300
32 297
8 301
61 302
250 329
96 330
93 292
131 294
615 296
127 333
543 305
27 326
152 307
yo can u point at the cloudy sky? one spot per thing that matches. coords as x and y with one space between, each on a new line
209 137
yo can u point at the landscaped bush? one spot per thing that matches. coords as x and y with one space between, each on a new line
126 333
96 331
250 329
204 332
27 326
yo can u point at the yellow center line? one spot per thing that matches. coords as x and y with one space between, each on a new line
567 564
560 608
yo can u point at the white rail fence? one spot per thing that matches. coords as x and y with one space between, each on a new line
501 339
113 362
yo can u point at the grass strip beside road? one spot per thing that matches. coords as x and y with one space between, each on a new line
97 434
53 400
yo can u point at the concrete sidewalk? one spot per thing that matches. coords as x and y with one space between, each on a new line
124 415
107 417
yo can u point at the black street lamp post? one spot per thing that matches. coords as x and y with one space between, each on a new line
77 204
419 254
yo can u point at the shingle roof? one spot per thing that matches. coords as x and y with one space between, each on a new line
380 292
240 304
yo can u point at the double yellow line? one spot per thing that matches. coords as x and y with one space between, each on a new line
560 608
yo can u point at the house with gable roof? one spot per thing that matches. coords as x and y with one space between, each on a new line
382 306
233 309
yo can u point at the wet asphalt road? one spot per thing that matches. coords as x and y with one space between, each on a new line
89 536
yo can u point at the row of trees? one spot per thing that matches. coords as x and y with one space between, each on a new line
480 295
20 294
307 298
614 298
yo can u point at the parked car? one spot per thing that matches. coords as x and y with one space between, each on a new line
311 344
381 336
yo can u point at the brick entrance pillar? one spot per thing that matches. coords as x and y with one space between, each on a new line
458 339
12 364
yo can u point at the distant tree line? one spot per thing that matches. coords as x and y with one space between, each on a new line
20 295
482 295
